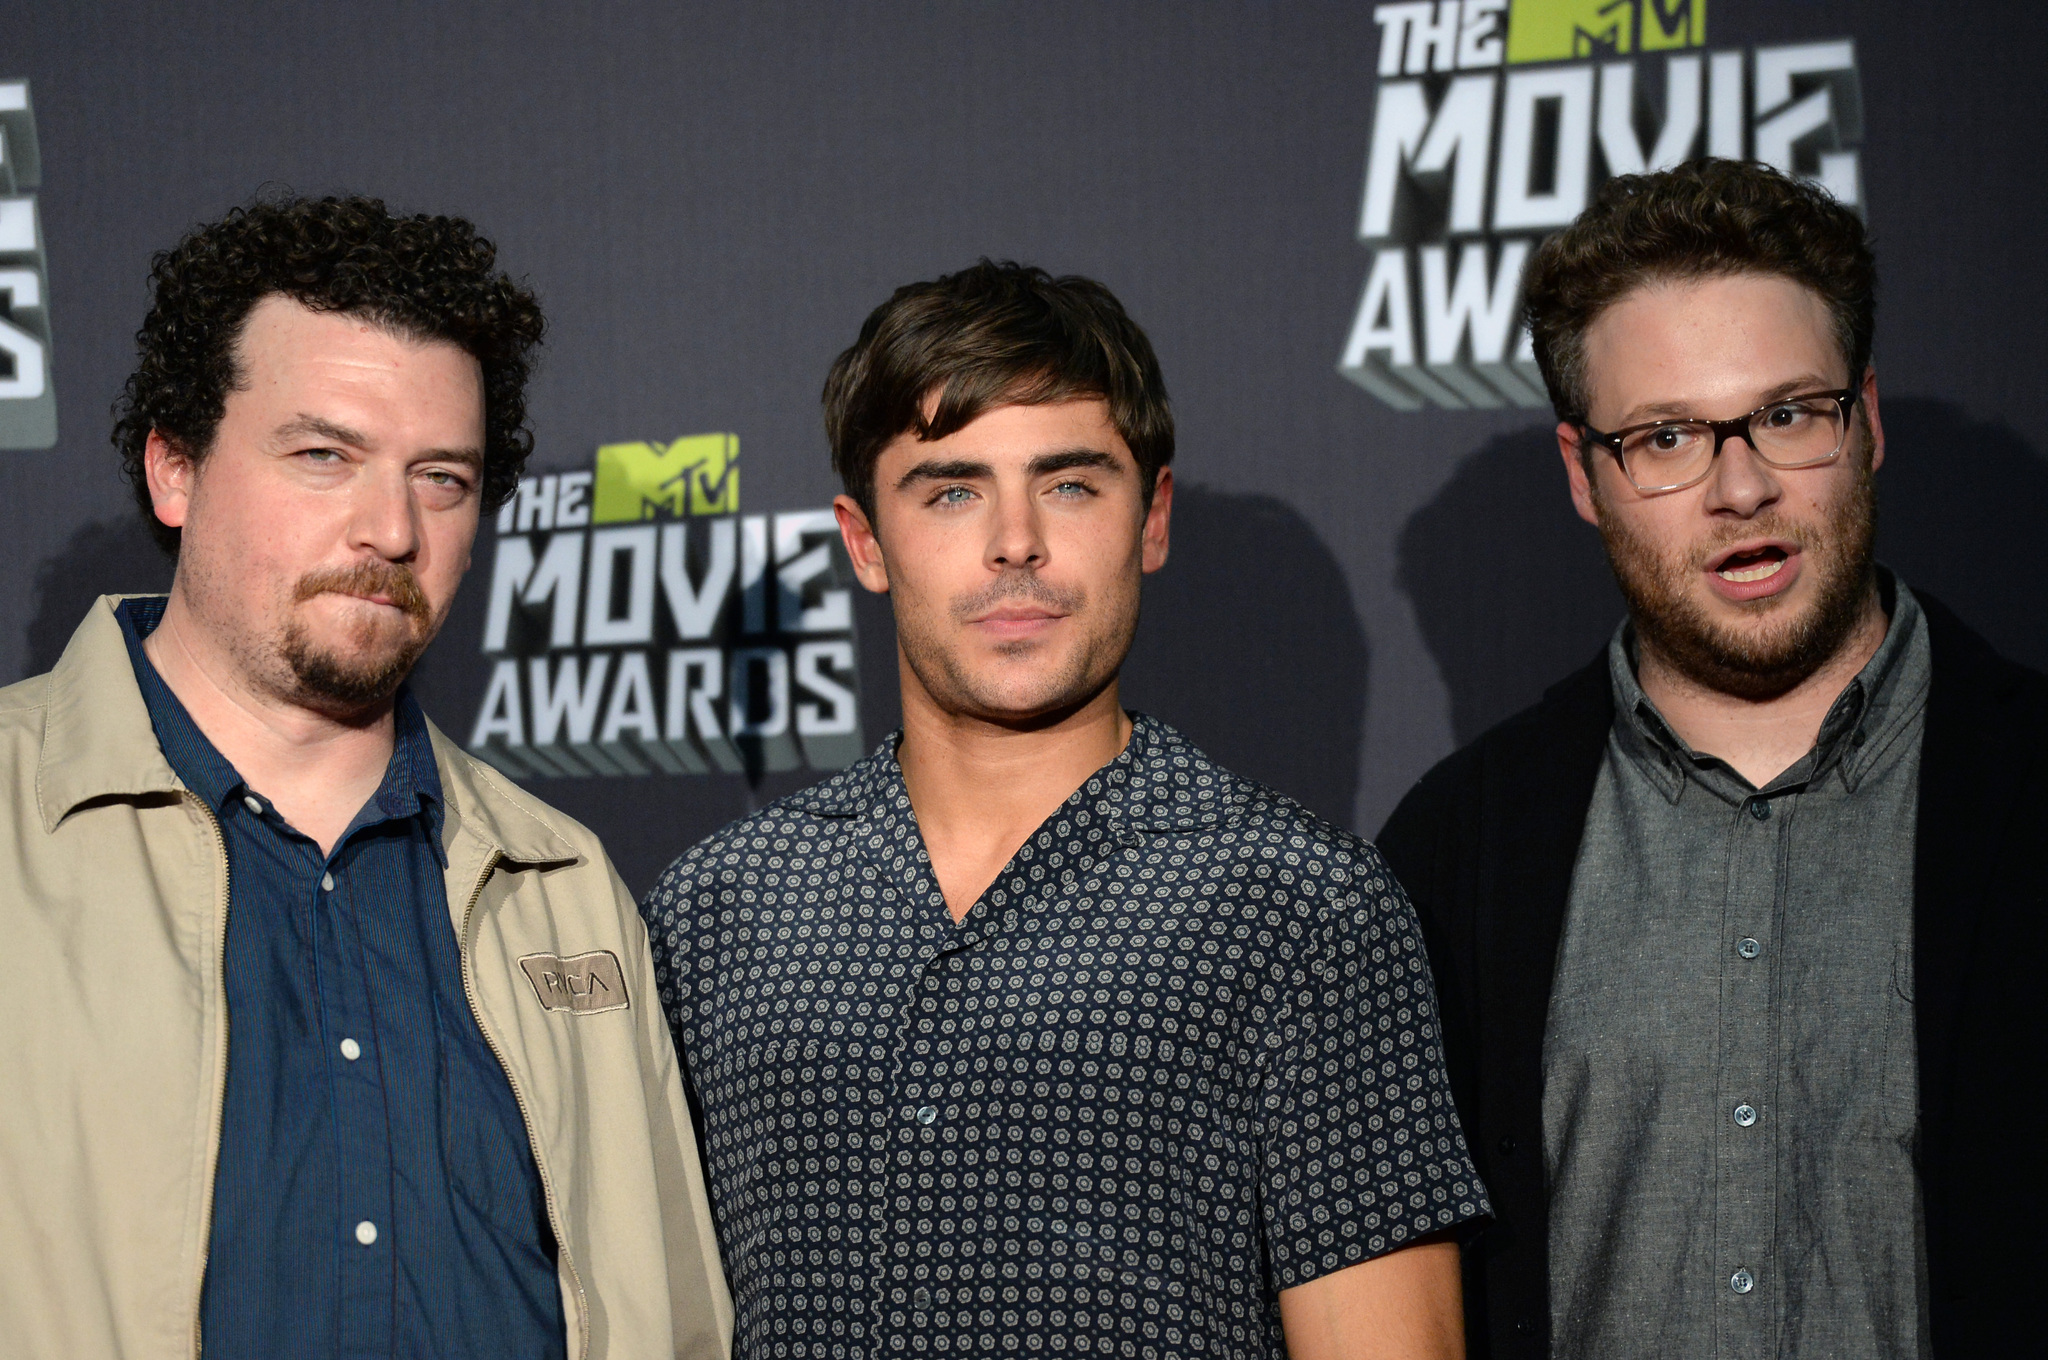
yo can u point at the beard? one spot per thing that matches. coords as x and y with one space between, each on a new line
1049 692
1785 646
370 670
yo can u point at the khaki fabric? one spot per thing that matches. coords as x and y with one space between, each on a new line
113 1039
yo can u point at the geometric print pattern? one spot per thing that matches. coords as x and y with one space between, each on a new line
1181 1055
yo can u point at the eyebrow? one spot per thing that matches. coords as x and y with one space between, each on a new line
944 470
324 429
1067 459
304 424
964 470
1664 410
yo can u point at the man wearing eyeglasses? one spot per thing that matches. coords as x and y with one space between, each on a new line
1739 933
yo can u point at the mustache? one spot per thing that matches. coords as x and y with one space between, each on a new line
1768 525
392 579
1016 585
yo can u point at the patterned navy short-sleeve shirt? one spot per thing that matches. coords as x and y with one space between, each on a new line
1181 1055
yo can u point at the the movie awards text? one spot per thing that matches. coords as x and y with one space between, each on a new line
640 625
28 405
1492 124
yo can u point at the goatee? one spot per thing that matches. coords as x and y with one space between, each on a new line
1767 660
373 673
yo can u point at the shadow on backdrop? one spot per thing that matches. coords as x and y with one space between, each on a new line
1510 587
111 557
1250 645
1962 509
1512 592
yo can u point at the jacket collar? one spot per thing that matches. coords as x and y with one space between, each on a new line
97 737
481 806
1160 782
98 742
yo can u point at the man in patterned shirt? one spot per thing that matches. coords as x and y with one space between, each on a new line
1035 1031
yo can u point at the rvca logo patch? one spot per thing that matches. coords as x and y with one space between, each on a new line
583 985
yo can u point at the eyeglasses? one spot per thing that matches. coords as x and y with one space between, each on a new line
1791 432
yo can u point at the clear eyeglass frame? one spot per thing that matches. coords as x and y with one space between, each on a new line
1741 427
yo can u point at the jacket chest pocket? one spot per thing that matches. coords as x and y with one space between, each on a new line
484 1145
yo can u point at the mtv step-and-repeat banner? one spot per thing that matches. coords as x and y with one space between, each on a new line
639 625
28 407
1491 127
1321 214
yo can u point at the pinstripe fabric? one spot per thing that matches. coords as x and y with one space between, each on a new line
376 1194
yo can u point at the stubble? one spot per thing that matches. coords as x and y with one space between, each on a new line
1784 646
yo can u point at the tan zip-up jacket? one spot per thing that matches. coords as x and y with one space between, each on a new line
114 1038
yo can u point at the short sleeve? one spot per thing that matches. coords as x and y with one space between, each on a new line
676 910
1362 1150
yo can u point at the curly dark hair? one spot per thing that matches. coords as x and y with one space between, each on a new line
1704 218
424 277
992 335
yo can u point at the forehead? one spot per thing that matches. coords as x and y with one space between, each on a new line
1015 434
1719 338
286 349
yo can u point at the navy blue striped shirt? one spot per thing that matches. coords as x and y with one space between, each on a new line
376 1194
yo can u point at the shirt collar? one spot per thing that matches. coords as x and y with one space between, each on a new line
1886 695
412 782
1159 782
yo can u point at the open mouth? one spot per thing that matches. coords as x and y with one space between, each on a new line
1756 564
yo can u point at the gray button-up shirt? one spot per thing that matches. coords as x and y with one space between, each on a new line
1731 1094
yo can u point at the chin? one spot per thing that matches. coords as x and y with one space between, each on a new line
1047 697
358 673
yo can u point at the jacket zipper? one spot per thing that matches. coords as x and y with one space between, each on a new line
547 1184
220 1106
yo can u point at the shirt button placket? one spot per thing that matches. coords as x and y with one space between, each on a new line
920 1049
1745 1163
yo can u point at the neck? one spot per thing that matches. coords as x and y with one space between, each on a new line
317 768
980 787
1760 738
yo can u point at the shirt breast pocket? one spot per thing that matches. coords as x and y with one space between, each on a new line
484 1146
1901 1050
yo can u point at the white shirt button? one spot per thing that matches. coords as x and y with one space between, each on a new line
327 882
927 1115
351 1050
366 1232
1745 1115
1742 1282
254 804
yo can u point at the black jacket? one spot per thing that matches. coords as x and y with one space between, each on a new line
1485 846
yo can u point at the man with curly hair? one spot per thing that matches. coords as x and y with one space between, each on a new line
337 1044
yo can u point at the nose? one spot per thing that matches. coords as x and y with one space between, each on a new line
1741 484
385 517
1016 538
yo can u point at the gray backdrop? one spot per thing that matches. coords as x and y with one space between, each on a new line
709 200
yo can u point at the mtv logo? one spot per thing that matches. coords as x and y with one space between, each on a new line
698 474
1558 30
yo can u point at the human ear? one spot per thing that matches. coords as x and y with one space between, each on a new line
1870 414
1158 520
863 548
170 473
1576 474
